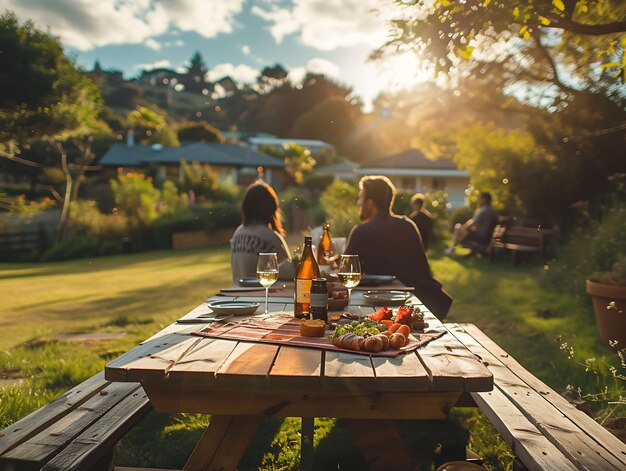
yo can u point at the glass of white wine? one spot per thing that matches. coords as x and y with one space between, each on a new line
267 273
349 272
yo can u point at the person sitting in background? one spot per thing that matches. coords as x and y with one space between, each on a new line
476 232
388 244
422 219
261 231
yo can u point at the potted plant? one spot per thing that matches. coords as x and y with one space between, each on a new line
608 293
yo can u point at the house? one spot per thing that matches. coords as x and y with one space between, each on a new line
313 145
239 164
412 171
345 169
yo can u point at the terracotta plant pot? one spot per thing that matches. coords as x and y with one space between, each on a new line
611 322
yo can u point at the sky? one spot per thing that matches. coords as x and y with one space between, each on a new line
235 37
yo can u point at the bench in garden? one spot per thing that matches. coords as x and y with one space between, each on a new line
544 430
519 240
77 431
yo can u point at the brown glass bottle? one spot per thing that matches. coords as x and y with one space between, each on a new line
307 270
325 253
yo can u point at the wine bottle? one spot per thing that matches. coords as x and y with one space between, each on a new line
325 253
307 270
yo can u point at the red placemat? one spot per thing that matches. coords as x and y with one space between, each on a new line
281 331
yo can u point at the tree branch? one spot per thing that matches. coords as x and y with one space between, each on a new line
556 80
586 29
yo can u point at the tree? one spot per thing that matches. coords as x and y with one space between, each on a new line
298 161
195 79
145 122
332 121
200 131
45 97
527 40
271 77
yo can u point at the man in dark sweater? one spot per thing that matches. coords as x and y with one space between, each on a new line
422 219
388 244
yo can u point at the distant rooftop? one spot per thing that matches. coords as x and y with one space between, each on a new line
122 155
275 141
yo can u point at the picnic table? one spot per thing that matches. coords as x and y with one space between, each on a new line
241 382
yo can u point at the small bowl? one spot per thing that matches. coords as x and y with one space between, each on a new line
337 304
233 308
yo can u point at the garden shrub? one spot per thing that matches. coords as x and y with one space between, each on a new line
137 198
167 225
594 248
81 247
339 202
317 183
460 215
87 220
402 203
225 215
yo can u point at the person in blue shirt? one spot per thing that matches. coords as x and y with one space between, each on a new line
476 232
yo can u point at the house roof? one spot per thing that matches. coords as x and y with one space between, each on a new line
410 159
209 153
275 141
345 166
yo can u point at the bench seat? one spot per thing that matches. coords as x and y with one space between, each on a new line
544 430
77 431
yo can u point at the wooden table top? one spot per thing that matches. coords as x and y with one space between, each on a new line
175 357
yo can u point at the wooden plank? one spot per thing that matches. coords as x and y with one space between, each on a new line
248 365
451 366
297 368
526 441
223 443
153 358
84 451
382 446
564 434
402 373
355 404
41 419
349 371
203 361
46 444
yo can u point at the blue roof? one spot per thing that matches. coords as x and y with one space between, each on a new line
122 155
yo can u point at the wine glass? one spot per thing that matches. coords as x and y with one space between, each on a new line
349 272
267 273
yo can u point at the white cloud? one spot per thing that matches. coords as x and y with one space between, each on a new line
152 44
164 63
245 49
328 24
317 65
85 24
241 73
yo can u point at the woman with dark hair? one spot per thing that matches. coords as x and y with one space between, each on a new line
261 231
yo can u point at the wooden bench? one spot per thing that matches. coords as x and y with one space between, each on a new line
519 240
544 430
77 431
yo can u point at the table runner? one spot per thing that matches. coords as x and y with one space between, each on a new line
285 330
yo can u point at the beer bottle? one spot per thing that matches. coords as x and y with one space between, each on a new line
319 300
307 270
325 253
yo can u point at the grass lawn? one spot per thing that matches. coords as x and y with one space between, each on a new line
136 295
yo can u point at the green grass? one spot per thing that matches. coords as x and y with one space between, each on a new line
139 294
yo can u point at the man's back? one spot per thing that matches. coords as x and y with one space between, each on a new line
390 245
424 223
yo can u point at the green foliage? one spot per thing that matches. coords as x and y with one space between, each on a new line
200 178
502 162
136 198
45 96
450 31
402 203
199 132
82 247
316 183
88 221
180 221
598 247
20 205
166 136
147 122
339 202
617 275
298 161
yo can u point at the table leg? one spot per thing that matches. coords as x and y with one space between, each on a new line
224 442
382 446
306 444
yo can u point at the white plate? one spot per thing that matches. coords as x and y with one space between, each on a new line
234 308
386 298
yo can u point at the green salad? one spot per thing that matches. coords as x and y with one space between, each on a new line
364 328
